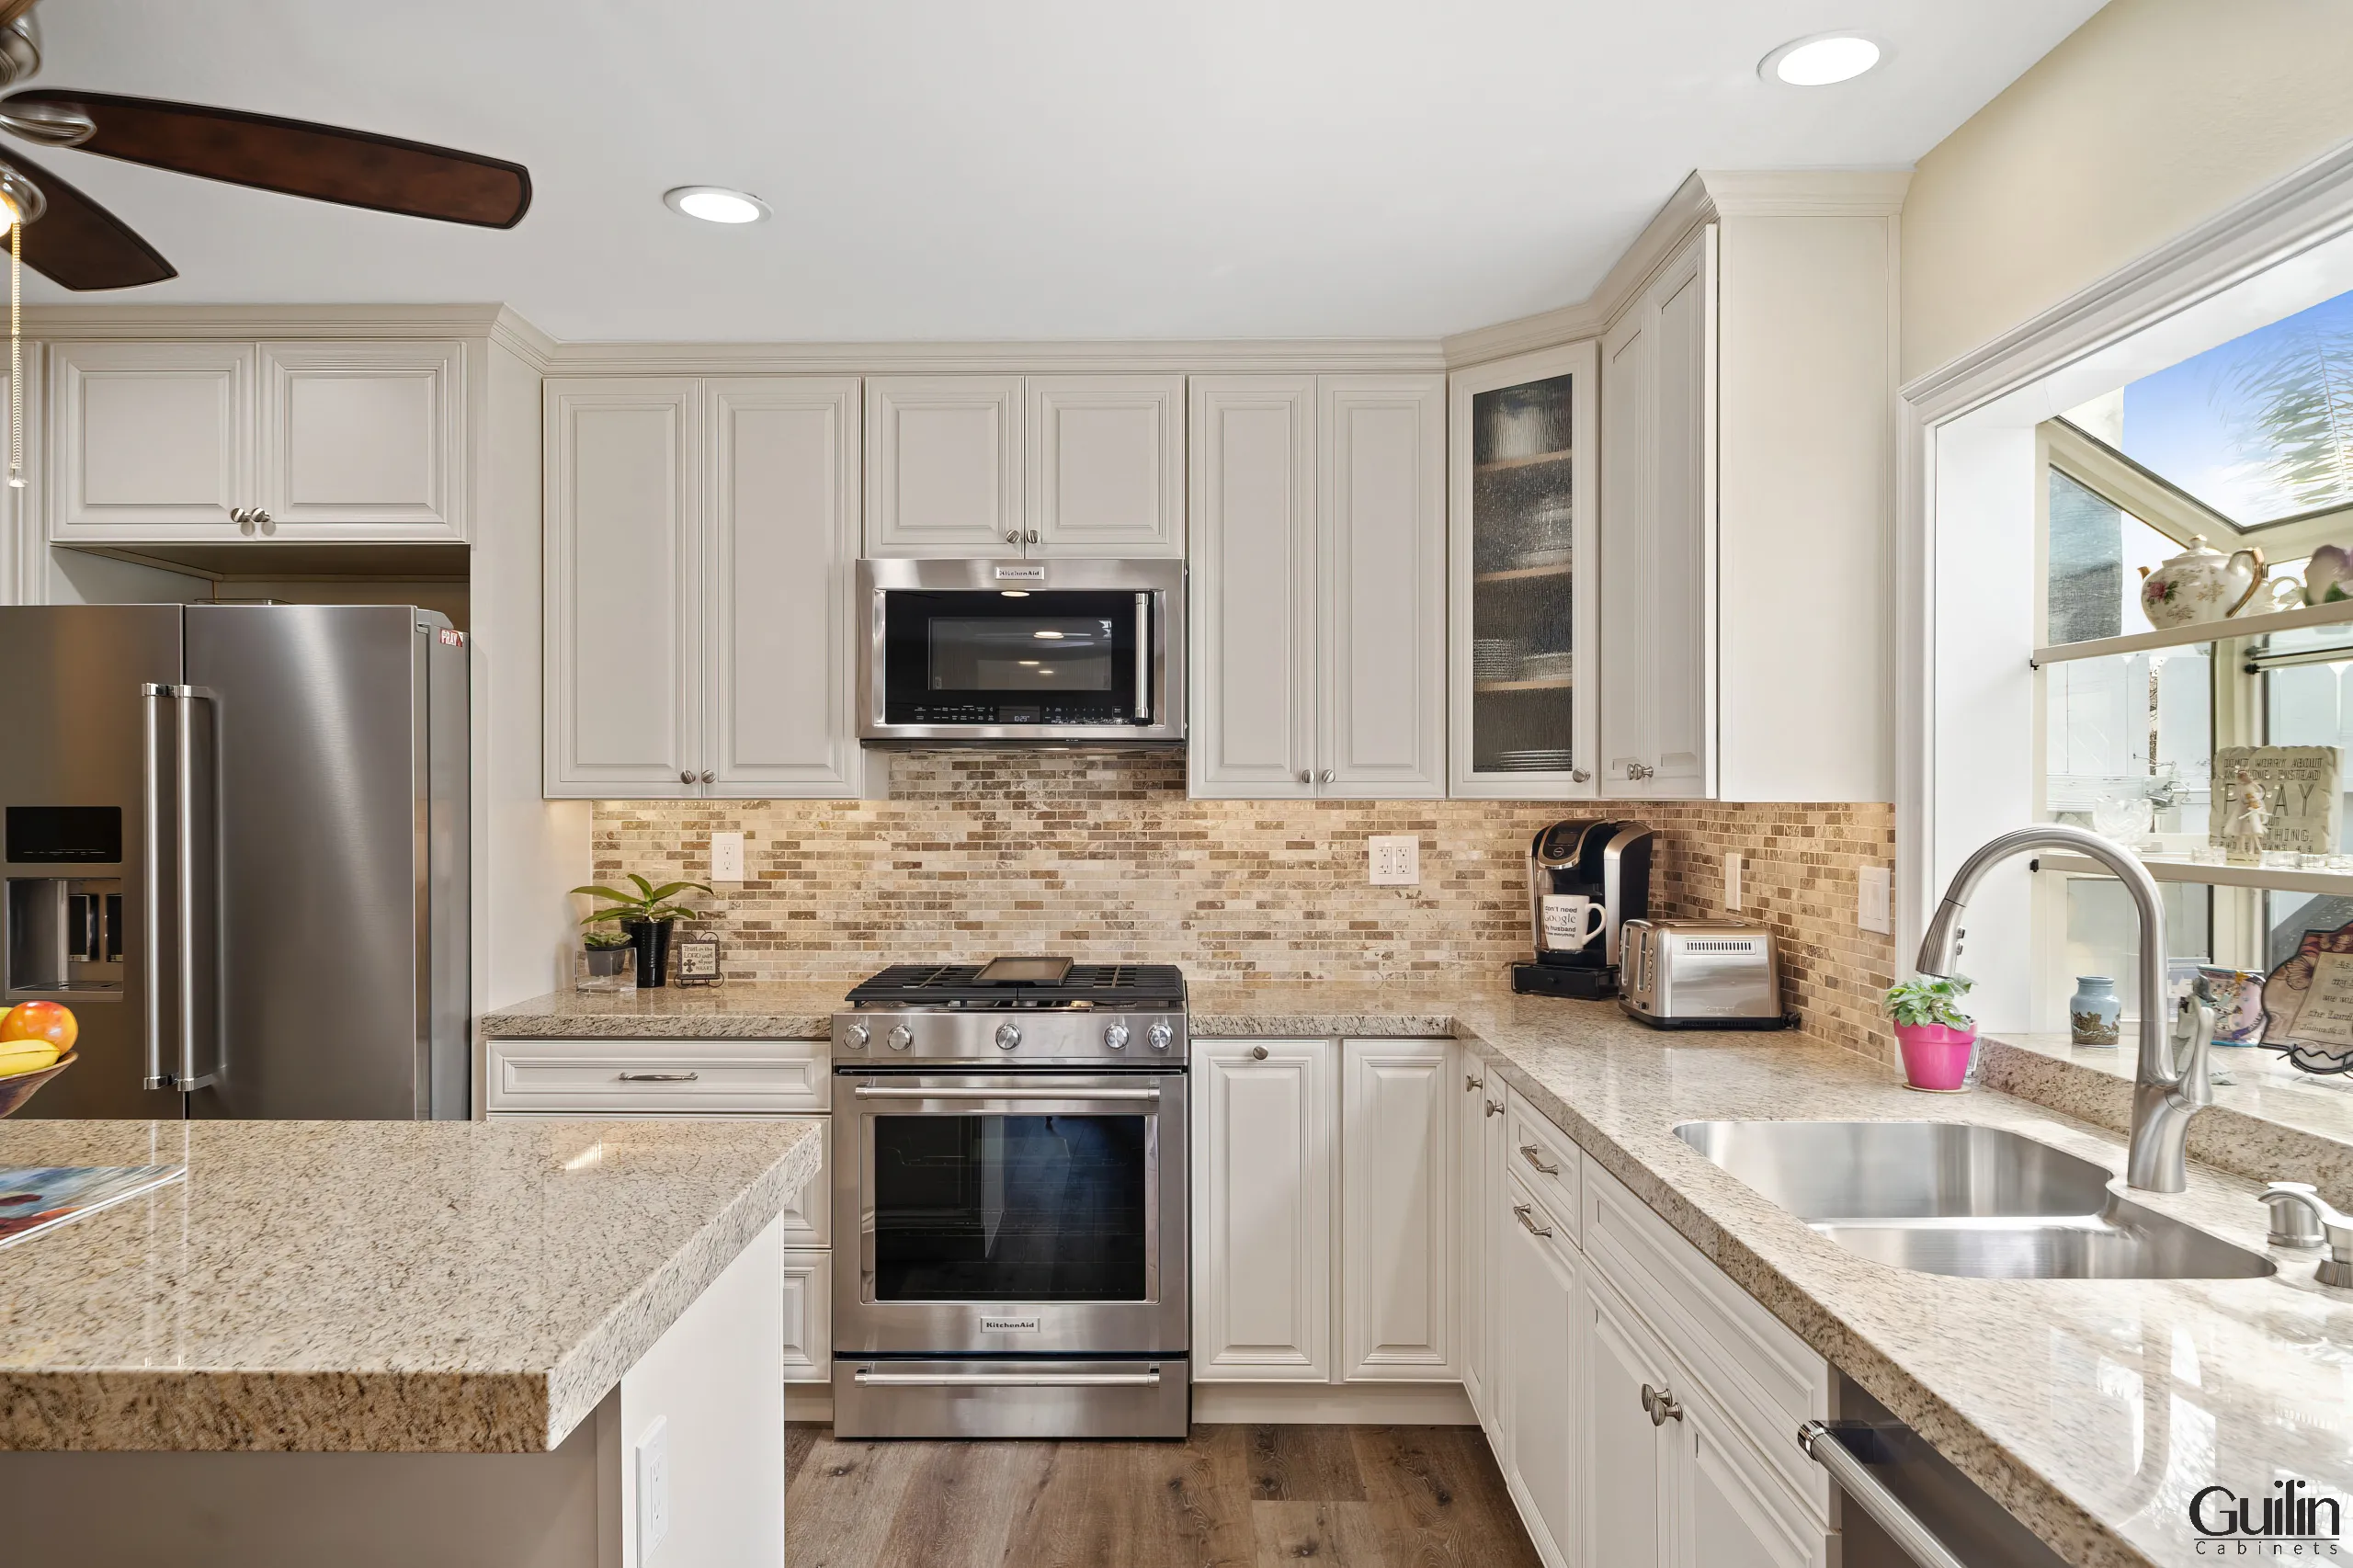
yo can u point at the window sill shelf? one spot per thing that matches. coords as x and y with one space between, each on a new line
2274 878
2203 632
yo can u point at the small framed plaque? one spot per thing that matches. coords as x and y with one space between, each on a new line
694 960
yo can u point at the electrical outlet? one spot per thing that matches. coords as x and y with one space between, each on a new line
1397 859
652 1489
1874 900
726 857
1732 881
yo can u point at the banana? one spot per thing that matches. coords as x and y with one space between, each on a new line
12 1062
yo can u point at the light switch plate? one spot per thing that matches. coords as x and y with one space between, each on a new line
1396 858
652 1489
726 857
1732 881
1874 901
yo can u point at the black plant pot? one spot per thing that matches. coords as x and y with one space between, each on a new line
653 939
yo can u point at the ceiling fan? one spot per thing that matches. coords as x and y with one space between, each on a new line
73 241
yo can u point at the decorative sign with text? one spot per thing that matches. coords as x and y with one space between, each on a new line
2279 798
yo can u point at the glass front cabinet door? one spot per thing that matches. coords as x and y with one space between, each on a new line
1521 561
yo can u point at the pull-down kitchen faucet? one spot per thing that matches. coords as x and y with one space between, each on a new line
2167 1089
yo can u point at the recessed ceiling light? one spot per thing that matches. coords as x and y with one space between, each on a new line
716 204
1026 661
1819 60
1049 636
1014 593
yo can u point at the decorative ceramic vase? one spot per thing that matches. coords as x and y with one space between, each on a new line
2095 1012
1937 1057
2236 998
2200 583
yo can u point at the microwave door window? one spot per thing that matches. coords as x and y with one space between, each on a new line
999 659
1042 654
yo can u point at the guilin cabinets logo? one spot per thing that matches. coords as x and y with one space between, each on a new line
2290 1522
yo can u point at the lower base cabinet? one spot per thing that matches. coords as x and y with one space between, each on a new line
1536 1290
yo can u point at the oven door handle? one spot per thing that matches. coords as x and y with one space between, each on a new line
1009 1379
864 1093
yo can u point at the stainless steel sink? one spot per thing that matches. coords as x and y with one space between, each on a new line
1952 1198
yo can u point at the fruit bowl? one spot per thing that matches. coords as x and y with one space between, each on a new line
15 1091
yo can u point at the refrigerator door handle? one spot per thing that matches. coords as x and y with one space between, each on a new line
184 782
150 902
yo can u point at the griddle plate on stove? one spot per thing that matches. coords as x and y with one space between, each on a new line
1131 985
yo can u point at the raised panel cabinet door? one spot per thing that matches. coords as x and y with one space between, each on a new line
1627 1460
808 1317
808 1219
1107 464
150 442
1397 1219
943 466
781 491
1471 1235
1683 565
364 440
1263 1147
1252 548
1730 1512
1537 1287
1384 557
624 586
1628 483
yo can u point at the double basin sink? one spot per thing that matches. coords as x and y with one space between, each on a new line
1955 1198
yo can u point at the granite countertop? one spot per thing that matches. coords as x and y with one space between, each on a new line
377 1286
737 1010
2092 1409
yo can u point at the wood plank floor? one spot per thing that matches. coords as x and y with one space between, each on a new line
1226 1497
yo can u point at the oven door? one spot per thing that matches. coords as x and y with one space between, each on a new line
1005 650
1010 1213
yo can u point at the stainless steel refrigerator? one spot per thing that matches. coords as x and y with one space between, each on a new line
236 847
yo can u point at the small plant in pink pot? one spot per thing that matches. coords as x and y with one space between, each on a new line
1938 1038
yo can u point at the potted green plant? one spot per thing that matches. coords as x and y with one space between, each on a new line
607 962
1937 1037
647 915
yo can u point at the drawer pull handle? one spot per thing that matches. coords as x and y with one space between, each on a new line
1661 1405
1529 1153
1524 1211
659 1077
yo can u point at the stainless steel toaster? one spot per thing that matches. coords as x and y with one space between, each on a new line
1713 974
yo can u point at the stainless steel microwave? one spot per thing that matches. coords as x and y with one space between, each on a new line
1000 652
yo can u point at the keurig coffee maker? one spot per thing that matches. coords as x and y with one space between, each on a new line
1585 879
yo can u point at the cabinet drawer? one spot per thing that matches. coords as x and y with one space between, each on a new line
1542 1155
1766 1379
808 1317
638 1077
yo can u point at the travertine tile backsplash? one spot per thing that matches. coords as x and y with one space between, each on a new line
1105 857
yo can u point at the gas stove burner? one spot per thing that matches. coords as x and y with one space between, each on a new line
1023 982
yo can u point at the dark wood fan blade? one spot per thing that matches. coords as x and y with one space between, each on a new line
326 163
79 243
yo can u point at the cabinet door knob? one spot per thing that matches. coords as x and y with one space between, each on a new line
1257 1053
1305 777
1470 1084
708 776
686 776
1031 537
1324 776
1580 774
1660 1405
1495 1109
1013 536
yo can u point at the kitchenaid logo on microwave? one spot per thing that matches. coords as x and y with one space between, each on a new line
2288 1522
1033 573
1009 1324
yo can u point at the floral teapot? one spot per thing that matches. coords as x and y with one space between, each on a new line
2200 583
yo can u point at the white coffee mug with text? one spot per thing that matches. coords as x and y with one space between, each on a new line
1567 928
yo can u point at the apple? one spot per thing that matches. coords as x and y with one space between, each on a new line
48 1022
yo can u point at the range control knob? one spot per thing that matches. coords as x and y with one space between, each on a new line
856 1036
1160 1035
1008 1036
1116 1038
901 1037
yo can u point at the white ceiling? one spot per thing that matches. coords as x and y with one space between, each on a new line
1025 169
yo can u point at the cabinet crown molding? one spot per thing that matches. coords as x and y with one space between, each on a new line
1806 193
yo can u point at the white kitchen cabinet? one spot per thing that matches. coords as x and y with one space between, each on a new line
1106 465
1728 1512
1478 1151
1318 550
1628 1460
700 540
809 1317
1658 536
944 466
1265 1147
211 442
1537 1274
779 655
1397 1212
1521 576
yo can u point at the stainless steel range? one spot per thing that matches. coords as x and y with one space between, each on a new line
1011 1161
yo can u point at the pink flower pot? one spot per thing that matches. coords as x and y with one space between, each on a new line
1935 1055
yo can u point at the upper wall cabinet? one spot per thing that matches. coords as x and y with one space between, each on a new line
212 442
700 540
1318 563
1521 575
1658 536
1037 465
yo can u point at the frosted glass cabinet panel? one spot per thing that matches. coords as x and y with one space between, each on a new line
1521 530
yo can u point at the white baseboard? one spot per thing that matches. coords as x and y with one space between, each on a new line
809 1401
1334 1404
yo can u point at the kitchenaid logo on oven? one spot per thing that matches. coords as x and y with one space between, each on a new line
2288 1521
994 1324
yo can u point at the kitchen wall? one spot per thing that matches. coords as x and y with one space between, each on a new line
2152 116
1105 857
